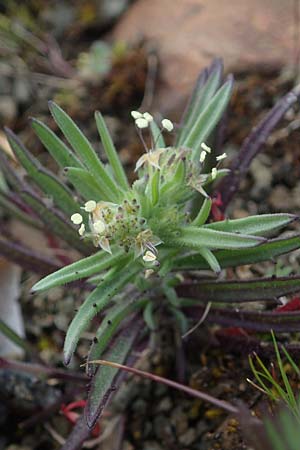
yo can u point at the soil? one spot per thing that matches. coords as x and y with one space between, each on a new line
144 415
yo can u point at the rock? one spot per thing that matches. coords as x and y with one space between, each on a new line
187 35
152 445
164 405
163 430
280 199
188 438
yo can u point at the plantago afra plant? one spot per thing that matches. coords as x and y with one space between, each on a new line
139 240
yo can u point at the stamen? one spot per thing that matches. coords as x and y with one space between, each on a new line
77 219
167 124
221 157
81 229
214 172
90 206
142 123
202 156
205 147
136 114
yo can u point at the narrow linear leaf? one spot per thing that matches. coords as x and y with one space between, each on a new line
241 290
110 324
26 257
252 320
11 174
266 251
208 118
106 379
10 334
79 434
203 213
211 259
202 96
47 181
197 238
80 269
8 204
260 225
95 302
55 146
85 184
111 152
85 151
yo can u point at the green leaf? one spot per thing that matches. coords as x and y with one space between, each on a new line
211 259
264 252
80 269
55 146
154 185
48 182
104 381
203 213
85 151
85 184
111 152
95 302
7 203
110 324
199 101
241 291
10 334
208 118
149 316
257 225
197 238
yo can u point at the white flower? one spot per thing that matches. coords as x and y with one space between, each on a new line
205 147
81 229
214 172
90 206
148 117
149 256
99 226
152 158
202 156
220 157
136 114
77 219
167 124
142 123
